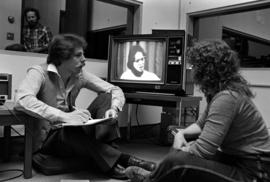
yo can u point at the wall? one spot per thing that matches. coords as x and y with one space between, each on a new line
160 14
106 15
10 8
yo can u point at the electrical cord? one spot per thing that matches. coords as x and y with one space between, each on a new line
137 108
11 170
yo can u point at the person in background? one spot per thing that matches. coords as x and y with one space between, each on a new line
49 92
233 143
35 37
136 64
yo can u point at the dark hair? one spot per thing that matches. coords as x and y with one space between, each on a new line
216 68
131 56
33 10
62 47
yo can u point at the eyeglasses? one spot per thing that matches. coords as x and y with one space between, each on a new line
141 59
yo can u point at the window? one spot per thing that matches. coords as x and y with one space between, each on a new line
253 51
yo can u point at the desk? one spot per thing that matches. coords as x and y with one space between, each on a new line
157 99
8 117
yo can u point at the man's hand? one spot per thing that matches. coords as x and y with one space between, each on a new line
78 116
111 113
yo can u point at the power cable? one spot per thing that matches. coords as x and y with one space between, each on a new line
11 170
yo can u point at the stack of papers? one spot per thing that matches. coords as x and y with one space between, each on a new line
89 122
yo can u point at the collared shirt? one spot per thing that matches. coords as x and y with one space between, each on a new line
43 88
38 37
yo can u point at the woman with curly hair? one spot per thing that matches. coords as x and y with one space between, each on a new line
233 143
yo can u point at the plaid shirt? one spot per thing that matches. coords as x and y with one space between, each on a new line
38 37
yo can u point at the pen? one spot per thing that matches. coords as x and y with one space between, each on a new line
72 108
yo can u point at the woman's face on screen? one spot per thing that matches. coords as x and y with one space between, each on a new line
139 61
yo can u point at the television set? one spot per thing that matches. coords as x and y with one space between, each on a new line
163 56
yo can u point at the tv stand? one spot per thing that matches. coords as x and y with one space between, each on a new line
159 99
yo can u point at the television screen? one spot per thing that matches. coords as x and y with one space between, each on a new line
139 60
147 63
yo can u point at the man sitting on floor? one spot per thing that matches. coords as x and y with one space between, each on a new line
48 93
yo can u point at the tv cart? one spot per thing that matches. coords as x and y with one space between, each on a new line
160 99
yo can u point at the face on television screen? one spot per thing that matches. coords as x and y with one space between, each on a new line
140 60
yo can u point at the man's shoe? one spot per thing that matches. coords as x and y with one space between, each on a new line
134 161
118 172
137 174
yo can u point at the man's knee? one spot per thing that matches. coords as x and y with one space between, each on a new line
100 105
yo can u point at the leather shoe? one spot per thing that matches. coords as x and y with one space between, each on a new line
118 172
134 161
137 174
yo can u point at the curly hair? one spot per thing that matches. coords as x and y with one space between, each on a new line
32 10
62 47
216 68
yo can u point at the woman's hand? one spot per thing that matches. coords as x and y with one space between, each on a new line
179 140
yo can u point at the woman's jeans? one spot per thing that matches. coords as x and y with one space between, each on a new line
181 166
